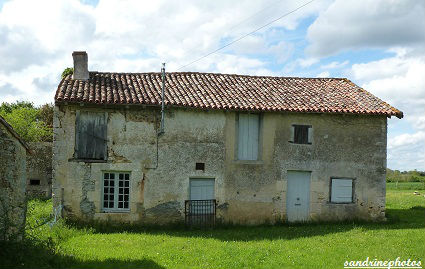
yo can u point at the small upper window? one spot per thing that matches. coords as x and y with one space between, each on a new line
248 136
200 166
301 134
35 182
90 136
341 190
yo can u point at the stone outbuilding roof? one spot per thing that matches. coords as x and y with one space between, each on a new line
14 134
225 92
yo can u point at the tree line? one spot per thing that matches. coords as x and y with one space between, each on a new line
32 123
405 176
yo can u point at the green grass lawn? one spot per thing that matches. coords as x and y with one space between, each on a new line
324 245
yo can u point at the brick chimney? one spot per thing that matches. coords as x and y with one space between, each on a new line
81 70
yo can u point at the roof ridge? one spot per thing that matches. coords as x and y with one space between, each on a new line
219 74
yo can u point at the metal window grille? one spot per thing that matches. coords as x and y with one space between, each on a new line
200 213
116 191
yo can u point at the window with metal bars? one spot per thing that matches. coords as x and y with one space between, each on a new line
116 191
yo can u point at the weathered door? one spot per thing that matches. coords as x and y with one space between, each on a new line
202 189
298 196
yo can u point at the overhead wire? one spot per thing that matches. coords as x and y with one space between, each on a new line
253 15
243 36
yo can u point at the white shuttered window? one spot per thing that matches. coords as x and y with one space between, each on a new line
248 136
342 190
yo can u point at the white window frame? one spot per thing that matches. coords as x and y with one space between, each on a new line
116 191
238 138
333 196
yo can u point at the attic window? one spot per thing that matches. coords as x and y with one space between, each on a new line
34 182
301 134
90 136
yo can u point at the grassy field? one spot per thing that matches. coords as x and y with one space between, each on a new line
406 186
324 245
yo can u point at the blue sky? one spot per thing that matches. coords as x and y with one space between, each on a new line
377 44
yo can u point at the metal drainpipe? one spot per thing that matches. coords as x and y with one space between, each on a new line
161 130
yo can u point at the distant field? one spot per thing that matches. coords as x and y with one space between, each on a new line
315 245
406 186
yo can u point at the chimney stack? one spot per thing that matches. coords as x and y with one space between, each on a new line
81 70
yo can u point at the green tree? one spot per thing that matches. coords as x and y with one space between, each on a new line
67 71
9 107
27 121
46 114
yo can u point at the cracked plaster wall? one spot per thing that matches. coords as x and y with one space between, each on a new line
247 192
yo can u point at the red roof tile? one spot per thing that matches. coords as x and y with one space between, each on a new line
225 92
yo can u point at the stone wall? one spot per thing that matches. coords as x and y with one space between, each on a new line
39 170
248 192
12 186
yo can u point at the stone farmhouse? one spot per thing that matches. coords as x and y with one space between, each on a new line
235 148
13 203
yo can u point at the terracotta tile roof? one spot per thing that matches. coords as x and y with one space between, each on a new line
225 92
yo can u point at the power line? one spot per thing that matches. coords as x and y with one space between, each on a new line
253 15
242 37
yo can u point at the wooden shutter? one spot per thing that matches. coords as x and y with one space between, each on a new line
310 135
292 133
202 189
302 134
342 190
91 136
248 136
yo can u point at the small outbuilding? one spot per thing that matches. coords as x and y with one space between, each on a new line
13 152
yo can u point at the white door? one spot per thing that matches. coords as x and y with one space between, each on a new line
202 189
298 196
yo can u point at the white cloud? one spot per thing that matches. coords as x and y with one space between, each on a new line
335 65
399 80
406 140
406 151
352 24
324 74
396 26
307 62
38 37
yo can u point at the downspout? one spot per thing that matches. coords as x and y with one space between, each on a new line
161 129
